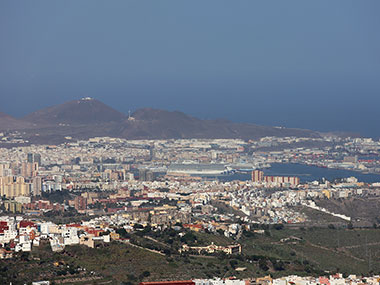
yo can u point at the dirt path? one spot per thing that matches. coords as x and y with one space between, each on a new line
338 251
151 250
358 245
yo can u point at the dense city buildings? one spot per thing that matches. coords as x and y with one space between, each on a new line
162 195
257 176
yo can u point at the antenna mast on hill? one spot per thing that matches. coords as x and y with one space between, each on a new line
129 116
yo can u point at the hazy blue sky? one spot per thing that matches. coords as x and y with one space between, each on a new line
308 64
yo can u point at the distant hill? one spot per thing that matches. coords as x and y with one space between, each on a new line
77 112
85 118
8 122
153 123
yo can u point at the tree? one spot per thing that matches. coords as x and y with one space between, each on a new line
24 256
278 226
278 265
144 274
233 263
263 264
106 233
131 277
248 234
123 233
189 238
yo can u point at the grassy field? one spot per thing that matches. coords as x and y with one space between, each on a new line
115 262
323 249
363 210
319 218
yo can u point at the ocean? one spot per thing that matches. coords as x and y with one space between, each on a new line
306 173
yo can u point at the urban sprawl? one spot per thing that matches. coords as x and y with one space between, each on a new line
111 187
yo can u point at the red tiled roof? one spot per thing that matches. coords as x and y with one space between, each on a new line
25 224
192 226
4 228
73 225
324 280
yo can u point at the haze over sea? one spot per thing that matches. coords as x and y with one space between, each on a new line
303 64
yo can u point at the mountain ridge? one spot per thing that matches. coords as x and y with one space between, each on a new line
88 117
7 122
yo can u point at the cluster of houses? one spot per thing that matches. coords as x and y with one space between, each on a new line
336 279
17 234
